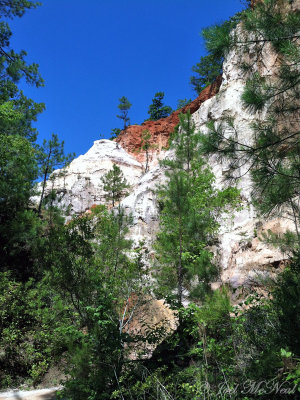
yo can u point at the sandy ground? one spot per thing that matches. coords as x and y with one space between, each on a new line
40 394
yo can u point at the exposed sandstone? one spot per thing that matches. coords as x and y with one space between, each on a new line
153 315
240 254
79 185
160 130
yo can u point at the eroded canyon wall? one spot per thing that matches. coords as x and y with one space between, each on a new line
243 258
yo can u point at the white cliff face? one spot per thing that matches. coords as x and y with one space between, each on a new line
240 253
243 258
79 185
143 206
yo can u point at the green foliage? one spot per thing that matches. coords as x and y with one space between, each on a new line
222 352
16 8
216 348
287 242
18 224
273 157
67 286
215 311
29 324
286 300
255 93
49 157
157 110
18 167
271 22
114 184
146 136
96 281
218 40
16 117
206 71
18 170
146 146
115 133
186 144
71 290
190 206
96 357
124 107
183 102
13 66
293 376
29 344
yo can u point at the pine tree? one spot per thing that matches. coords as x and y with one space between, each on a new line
190 206
186 144
146 146
115 132
207 70
94 278
51 156
157 110
19 225
183 102
218 40
114 184
124 107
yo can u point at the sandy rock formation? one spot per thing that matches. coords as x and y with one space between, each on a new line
152 315
160 130
239 252
79 185
243 258
142 204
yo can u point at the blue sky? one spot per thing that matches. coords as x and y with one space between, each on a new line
95 51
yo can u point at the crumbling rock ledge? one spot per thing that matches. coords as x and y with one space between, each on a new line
131 138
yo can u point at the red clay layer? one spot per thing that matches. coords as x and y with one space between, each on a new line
160 130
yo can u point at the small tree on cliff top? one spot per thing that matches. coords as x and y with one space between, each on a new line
124 106
217 42
157 110
183 102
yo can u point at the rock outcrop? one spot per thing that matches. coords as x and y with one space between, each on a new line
79 185
241 255
243 258
160 130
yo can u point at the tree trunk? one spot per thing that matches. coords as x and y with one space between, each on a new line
44 182
147 161
179 270
43 191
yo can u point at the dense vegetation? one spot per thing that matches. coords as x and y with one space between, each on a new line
69 292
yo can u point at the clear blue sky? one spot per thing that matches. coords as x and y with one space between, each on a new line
93 52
